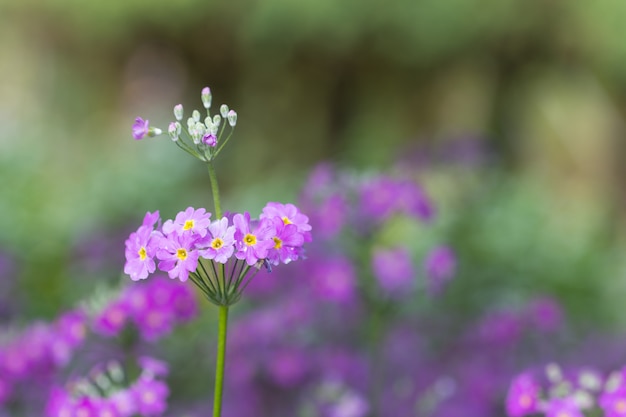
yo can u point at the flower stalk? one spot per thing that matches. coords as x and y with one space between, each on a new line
222 255
221 360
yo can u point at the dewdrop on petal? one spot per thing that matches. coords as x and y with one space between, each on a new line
224 110
232 118
178 112
206 97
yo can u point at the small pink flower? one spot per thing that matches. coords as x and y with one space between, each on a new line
141 128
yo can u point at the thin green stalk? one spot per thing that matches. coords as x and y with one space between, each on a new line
215 189
221 360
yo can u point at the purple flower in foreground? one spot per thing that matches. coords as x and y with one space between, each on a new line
196 221
563 407
178 256
613 403
141 248
150 396
286 242
141 128
393 269
289 214
220 243
523 396
253 243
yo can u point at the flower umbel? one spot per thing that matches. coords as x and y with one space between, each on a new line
220 258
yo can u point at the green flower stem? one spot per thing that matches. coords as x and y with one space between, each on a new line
221 360
215 189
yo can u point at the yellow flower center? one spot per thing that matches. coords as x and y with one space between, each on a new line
277 243
188 225
181 254
142 253
217 243
249 239
286 220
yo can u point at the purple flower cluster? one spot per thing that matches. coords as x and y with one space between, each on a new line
567 394
34 354
191 245
358 209
105 393
154 308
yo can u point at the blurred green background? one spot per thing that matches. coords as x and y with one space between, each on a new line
539 85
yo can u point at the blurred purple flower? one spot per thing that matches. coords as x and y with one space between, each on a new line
384 196
393 269
500 329
440 266
545 314
613 403
523 396
111 320
288 366
334 279
562 407
150 396
330 216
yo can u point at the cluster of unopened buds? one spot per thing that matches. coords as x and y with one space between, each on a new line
217 255
203 135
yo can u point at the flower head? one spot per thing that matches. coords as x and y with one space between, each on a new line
141 248
178 255
286 242
220 243
252 243
141 128
289 214
189 221
523 396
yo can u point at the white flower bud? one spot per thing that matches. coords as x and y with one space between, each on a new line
200 128
232 118
224 110
196 115
173 131
178 112
190 123
206 97
217 120
154 131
